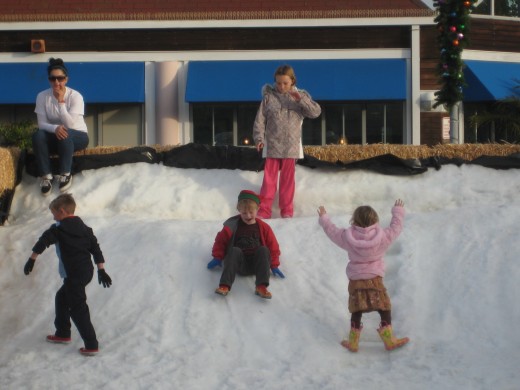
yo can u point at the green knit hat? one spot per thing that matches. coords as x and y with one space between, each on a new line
246 194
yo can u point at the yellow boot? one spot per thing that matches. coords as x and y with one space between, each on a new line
391 342
352 343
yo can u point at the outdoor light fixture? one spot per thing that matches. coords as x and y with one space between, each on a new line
246 141
37 45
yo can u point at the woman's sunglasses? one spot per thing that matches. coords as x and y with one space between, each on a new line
59 78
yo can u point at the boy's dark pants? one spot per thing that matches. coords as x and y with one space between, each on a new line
71 303
259 264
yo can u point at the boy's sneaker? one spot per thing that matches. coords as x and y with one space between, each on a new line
222 290
58 340
263 292
88 352
65 182
46 185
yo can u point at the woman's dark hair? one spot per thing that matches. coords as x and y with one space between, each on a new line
56 63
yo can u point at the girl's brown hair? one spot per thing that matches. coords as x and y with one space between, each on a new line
285 70
364 216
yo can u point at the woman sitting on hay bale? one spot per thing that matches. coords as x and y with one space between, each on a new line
61 127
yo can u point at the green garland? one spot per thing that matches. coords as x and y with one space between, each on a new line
453 26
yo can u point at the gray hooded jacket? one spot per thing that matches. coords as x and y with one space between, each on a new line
278 123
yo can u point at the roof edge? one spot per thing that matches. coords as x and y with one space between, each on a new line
226 15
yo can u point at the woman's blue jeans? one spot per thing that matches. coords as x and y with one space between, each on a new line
45 143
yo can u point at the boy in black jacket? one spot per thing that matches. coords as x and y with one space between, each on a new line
75 243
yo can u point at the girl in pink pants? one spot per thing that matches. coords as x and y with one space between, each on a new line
278 133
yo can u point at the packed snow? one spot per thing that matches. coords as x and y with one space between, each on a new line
453 278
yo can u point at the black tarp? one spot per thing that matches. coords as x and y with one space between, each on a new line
213 157
200 156
386 164
95 161
507 162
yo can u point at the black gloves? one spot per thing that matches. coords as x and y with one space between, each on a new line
103 278
28 266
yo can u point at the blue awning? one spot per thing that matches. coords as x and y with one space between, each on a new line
490 80
98 82
359 79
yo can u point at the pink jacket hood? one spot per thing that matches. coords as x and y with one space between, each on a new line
365 246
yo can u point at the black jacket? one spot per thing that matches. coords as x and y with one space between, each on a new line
77 243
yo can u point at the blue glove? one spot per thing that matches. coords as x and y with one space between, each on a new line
277 272
214 263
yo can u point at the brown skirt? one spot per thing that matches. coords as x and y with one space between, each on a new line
368 295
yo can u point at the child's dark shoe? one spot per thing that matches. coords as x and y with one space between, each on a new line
222 290
88 352
58 340
263 292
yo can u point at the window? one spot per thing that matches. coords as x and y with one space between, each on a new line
245 119
107 124
312 131
12 113
394 125
501 129
221 124
114 124
354 123
357 123
499 7
203 124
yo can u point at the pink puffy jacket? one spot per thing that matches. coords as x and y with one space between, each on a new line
365 246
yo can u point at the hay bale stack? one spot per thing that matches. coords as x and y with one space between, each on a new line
349 153
8 166
9 158
101 150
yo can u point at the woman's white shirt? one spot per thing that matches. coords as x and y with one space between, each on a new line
51 113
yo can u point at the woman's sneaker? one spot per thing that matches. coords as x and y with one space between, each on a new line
46 185
65 182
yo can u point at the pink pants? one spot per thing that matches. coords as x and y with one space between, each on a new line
287 168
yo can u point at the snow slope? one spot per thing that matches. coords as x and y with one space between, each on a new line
452 276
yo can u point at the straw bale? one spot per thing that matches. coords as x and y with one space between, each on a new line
115 149
8 165
349 153
100 150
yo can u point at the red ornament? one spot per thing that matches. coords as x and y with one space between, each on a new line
453 28
467 3
456 42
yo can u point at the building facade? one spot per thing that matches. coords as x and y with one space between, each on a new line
154 73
